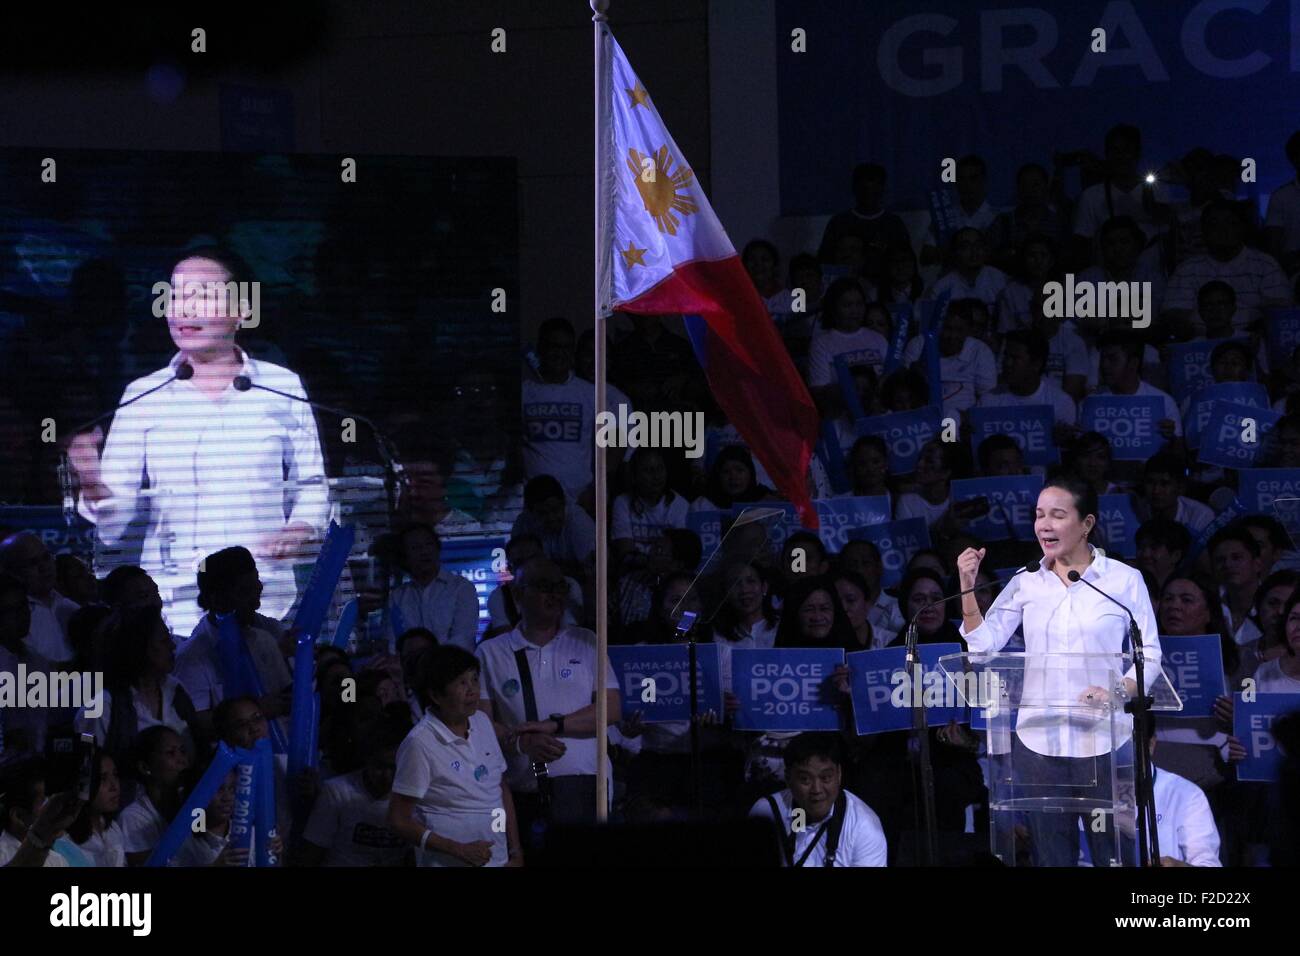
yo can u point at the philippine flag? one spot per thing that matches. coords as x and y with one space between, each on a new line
664 251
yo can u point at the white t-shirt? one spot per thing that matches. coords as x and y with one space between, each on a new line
1184 822
9 845
1255 276
564 680
457 783
912 505
1047 393
447 605
1271 679
142 825
643 524
199 668
1067 354
1284 213
352 825
559 430
143 714
1093 210
760 637
201 849
885 615
105 849
48 633
865 347
987 287
966 376
862 839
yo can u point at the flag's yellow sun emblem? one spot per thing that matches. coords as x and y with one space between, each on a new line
659 186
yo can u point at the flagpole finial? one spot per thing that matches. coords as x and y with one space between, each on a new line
598 8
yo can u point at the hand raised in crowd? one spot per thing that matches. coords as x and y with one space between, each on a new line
290 541
968 566
57 815
730 704
840 678
1236 750
1223 712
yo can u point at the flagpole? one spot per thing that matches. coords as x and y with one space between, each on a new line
598 21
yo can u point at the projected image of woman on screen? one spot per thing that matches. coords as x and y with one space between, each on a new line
211 460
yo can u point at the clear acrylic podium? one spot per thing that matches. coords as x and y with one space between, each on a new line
1059 763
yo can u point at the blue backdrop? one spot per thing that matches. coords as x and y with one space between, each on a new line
908 82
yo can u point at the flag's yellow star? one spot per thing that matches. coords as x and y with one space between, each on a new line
632 256
639 96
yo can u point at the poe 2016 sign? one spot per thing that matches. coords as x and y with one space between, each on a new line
655 679
786 688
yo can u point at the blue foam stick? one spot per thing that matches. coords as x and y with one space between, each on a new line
324 578
241 820
313 752
264 819
346 624
301 714
178 831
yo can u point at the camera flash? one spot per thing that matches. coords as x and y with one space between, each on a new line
1151 178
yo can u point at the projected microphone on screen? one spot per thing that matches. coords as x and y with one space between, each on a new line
196 465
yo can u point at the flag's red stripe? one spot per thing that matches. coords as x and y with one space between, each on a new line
748 368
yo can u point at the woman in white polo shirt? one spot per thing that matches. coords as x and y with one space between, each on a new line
449 796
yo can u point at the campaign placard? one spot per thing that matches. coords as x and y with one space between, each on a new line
785 688
1129 422
1189 365
1117 525
900 313
1030 426
1202 540
1251 724
1283 331
1012 500
845 363
1198 410
1194 666
655 679
884 693
840 517
1257 487
897 541
904 434
1235 436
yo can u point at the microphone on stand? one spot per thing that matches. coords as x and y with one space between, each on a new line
919 728
184 371
387 452
1148 833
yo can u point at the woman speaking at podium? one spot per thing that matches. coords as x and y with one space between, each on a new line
1063 734
211 459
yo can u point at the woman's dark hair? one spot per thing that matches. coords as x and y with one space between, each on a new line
1084 495
439 667
857 580
129 634
726 623
713 488
223 713
838 289
663 629
115 583
221 570
900 380
910 581
147 743
415 632
644 453
234 264
1217 624
542 488
755 244
797 593
1285 578
82 828
814 744
885 285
